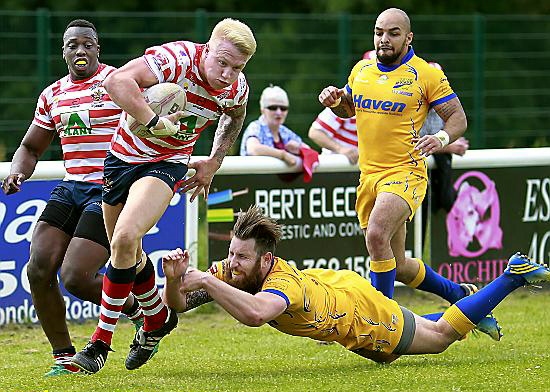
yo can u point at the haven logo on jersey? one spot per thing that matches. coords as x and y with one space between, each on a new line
76 123
403 82
376 104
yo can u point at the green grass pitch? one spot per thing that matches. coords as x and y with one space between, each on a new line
210 351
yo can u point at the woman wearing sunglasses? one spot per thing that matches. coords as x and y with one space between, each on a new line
267 135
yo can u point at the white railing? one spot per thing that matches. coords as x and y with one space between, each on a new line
327 164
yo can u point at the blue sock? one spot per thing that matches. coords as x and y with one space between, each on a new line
480 304
384 282
437 284
382 276
432 316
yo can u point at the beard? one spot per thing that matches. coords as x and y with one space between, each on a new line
251 283
388 59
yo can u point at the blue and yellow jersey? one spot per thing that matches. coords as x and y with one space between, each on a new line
330 305
391 104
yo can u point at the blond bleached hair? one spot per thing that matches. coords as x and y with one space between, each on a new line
236 32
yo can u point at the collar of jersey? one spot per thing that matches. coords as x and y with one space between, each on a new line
79 81
408 56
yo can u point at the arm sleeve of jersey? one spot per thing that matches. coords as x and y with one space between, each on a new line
285 286
356 68
438 89
253 130
42 115
219 270
242 91
169 62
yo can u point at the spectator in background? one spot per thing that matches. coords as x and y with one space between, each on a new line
335 135
267 135
442 192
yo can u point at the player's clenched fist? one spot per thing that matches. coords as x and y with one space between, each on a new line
331 96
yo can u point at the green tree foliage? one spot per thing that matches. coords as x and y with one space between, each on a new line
496 63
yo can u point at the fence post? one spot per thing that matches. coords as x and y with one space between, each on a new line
344 44
42 48
200 25
479 79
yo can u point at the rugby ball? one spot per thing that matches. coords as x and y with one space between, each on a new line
163 99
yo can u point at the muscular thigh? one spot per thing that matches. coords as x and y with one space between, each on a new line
84 257
147 200
48 245
120 177
55 227
366 196
408 185
389 194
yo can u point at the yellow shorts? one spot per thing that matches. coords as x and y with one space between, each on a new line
409 185
378 321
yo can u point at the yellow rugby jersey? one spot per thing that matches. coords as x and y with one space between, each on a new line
330 305
391 104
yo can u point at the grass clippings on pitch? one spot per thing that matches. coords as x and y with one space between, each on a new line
210 351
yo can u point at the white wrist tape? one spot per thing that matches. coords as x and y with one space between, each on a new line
443 137
169 129
336 103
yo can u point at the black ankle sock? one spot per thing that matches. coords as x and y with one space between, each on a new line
61 351
133 309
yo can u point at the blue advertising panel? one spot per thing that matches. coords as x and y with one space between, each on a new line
18 216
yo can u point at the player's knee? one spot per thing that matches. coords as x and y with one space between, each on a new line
442 345
42 267
125 240
73 280
376 238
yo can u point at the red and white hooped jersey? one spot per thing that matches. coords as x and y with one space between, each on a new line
85 118
341 130
178 62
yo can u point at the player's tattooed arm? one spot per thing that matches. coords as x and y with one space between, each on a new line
229 127
345 109
452 113
196 298
446 109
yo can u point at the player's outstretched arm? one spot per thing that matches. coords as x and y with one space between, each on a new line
252 310
175 265
33 145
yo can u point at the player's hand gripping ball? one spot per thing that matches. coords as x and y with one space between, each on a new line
163 99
